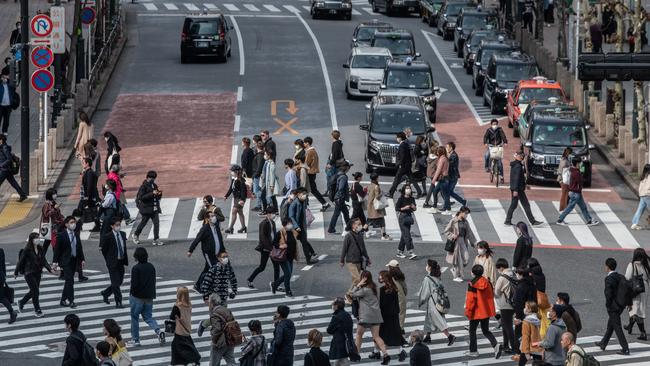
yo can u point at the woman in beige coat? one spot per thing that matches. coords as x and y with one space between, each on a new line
459 231
484 258
640 266
84 134
376 216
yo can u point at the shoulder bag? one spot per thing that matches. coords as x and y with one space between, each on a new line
279 254
380 203
364 259
638 284
450 245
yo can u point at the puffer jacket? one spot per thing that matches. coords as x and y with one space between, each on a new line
284 335
479 301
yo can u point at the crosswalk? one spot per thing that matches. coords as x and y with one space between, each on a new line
178 222
45 337
238 8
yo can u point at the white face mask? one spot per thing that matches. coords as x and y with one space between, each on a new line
225 260
407 192
289 227
297 147
548 315
358 229
72 226
481 251
494 127
213 219
54 196
233 174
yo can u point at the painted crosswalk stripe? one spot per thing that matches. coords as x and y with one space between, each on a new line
150 6
271 8
133 211
317 228
426 223
307 7
544 232
251 7
578 228
369 11
355 12
291 8
170 6
498 216
246 211
231 7
191 7
210 6
392 224
472 226
618 230
195 225
168 208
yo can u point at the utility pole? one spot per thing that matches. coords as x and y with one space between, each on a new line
74 47
24 96
561 30
619 118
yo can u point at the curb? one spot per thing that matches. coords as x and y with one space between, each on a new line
606 152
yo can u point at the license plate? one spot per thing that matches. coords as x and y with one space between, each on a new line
372 88
332 11
411 8
203 44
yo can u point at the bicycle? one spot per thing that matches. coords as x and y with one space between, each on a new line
496 155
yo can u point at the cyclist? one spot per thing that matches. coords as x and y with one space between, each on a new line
494 136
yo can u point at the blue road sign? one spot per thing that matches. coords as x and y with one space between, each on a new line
42 80
87 15
42 57
19 55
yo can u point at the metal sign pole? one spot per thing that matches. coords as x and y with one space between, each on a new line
88 54
40 118
46 129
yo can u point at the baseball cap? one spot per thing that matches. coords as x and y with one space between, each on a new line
393 263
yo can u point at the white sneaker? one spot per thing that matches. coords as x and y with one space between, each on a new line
446 212
458 279
157 242
593 222
400 255
386 237
434 210
412 255
636 227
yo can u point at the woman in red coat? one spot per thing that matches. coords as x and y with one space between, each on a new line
479 308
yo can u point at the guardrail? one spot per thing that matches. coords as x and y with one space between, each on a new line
105 54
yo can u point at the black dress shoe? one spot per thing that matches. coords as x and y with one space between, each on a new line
64 303
600 345
119 306
105 298
83 279
73 305
623 352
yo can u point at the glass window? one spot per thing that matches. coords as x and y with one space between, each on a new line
559 135
204 28
396 46
527 95
477 22
409 79
366 33
515 72
487 53
370 61
391 122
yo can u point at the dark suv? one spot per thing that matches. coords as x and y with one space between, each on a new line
503 74
205 35
447 17
337 8
548 131
415 76
472 43
486 49
365 31
391 112
392 7
399 42
467 21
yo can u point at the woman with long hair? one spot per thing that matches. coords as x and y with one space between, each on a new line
402 291
365 291
432 159
484 257
459 232
238 191
644 197
51 219
539 279
113 336
441 176
524 246
429 294
390 330
640 266
565 163
30 263
376 216
183 350
418 176
300 149
84 134
112 151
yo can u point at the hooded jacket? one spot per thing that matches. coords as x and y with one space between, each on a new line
479 301
517 176
530 334
553 352
284 335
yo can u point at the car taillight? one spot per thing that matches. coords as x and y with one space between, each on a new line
183 37
222 35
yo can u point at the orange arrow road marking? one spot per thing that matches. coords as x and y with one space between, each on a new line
291 109
285 125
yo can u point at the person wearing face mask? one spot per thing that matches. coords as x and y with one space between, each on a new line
78 216
311 160
116 176
390 330
525 291
518 188
459 231
405 207
266 237
51 219
269 144
258 166
341 196
376 215
430 293
6 160
109 209
9 101
142 295
530 338
30 264
68 253
284 239
296 214
494 136
484 258
220 279
420 354
208 206
239 192
112 151
148 202
340 328
4 298
247 156
479 308
89 195
290 179
454 173
403 163
212 243
523 247
115 256
354 254
419 167
299 146
552 345
253 350
269 182
440 183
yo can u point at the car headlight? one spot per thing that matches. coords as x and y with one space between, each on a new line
346 5
320 4
354 79
374 145
537 158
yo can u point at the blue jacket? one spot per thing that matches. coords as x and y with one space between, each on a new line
12 92
297 213
342 187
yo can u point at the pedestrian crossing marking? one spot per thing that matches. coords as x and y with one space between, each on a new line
150 7
133 211
170 6
246 211
231 7
355 12
271 8
191 7
578 228
317 228
168 208
618 230
291 8
426 223
251 7
472 225
307 7
369 11
195 225
392 223
543 232
498 216
210 6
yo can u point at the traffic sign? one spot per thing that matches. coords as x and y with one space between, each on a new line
41 25
42 57
42 80
88 15
57 14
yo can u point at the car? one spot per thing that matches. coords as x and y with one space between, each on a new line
205 35
365 71
392 7
364 31
399 42
429 10
467 21
486 49
335 8
503 74
415 76
447 17
390 112
472 43
548 131
539 89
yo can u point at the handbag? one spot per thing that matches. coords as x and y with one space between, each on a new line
380 203
450 245
407 219
278 254
351 348
638 284
7 292
170 326
355 308
45 230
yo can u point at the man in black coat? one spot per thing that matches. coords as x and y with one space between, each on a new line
403 162
74 344
5 164
211 242
15 35
67 256
269 144
518 190
616 300
420 355
265 244
115 256
340 327
89 195
148 202
3 297
494 136
525 291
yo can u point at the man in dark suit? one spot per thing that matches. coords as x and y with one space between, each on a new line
403 162
518 190
265 243
3 297
89 195
115 256
615 302
15 35
67 254
211 241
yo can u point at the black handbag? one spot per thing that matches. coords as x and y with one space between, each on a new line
355 308
407 219
450 245
170 326
351 348
7 293
638 284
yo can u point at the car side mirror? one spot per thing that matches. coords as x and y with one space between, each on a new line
592 146
528 144
364 127
383 86
436 89
417 54
367 106
346 66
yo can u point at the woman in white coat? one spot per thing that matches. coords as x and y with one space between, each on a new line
640 266
459 231
428 295
269 181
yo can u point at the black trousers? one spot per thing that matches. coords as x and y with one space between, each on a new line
68 277
614 325
402 173
523 360
264 258
5 112
357 213
7 304
116 275
307 249
145 218
6 175
528 21
514 202
485 329
314 189
340 207
508 330
33 282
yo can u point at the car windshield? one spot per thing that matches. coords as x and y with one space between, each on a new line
487 53
527 95
411 79
204 28
366 33
559 135
454 9
476 39
390 122
516 72
474 22
396 46
370 61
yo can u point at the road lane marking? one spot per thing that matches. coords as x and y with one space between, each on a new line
233 154
472 226
578 228
150 7
240 44
469 104
251 7
271 8
355 12
497 216
426 223
231 7
168 208
190 7
210 6
392 223
195 225
618 230
328 85
179 15
237 122
544 233
307 8
240 93
170 6
369 11
133 211
317 228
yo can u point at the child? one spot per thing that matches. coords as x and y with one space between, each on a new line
102 350
529 335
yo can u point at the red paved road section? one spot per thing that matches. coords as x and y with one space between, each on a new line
456 122
186 138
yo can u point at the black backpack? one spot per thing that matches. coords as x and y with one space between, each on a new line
20 268
88 357
510 294
331 187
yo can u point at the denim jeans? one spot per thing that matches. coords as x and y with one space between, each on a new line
257 191
644 203
576 199
405 240
340 207
486 158
139 307
287 270
443 188
454 195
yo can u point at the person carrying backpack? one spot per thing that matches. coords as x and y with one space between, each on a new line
576 355
504 291
77 350
433 296
223 330
341 195
103 351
